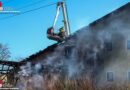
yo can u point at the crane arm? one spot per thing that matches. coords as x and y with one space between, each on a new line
56 17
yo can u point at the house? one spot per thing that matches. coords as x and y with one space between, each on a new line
101 50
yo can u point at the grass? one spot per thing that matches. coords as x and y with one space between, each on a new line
57 83
86 84
68 84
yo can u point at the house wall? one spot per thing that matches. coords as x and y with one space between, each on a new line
117 60
115 28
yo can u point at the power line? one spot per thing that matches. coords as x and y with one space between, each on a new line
30 4
39 8
25 5
28 11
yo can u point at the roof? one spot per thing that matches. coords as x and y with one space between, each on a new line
10 63
115 12
51 48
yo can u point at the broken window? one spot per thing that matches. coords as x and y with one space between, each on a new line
110 76
128 75
108 46
128 44
68 51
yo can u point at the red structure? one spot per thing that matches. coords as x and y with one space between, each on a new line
1 86
0 4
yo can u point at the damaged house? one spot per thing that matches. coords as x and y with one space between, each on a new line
101 50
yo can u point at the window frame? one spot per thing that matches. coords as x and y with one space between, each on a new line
70 49
107 76
127 45
128 78
106 44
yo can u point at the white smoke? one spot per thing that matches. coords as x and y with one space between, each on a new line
25 70
85 55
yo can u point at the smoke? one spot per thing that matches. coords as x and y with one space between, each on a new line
83 54
25 70
81 58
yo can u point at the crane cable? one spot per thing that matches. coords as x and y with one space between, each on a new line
28 11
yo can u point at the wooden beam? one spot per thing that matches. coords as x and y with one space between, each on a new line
11 63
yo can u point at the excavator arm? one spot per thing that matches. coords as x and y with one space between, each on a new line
50 32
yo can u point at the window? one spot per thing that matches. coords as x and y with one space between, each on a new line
128 44
68 51
108 46
110 76
128 75
90 62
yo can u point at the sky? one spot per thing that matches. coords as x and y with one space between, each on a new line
25 34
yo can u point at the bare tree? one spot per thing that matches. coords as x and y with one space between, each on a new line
4 52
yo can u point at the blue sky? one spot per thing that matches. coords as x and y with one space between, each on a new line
26 34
